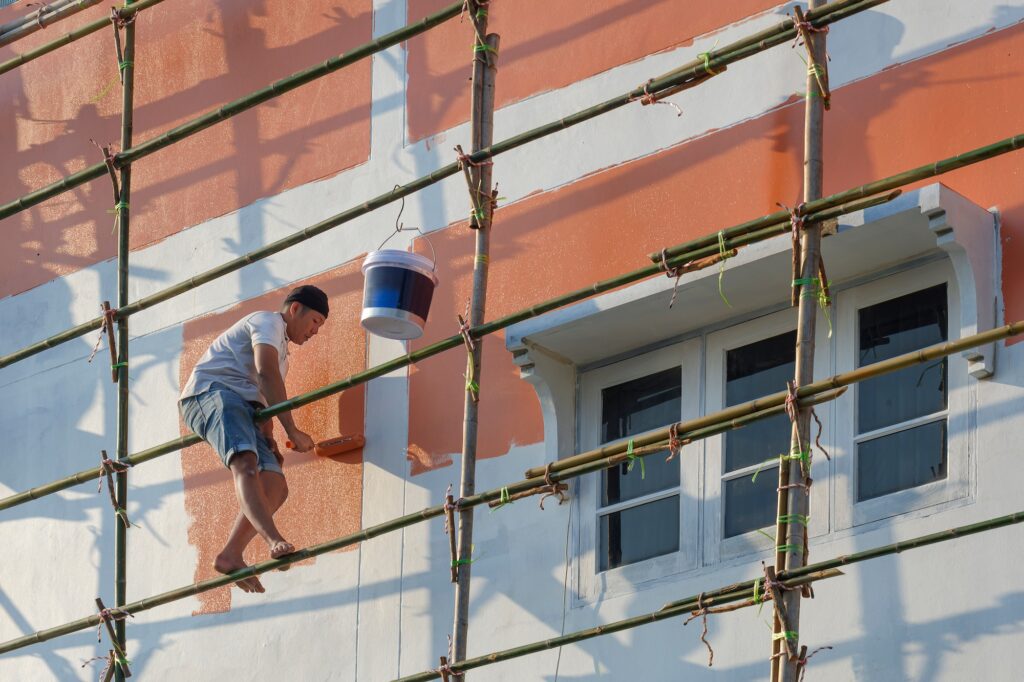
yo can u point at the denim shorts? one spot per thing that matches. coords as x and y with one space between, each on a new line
224 419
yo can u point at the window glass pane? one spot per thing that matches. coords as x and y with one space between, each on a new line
901 460
634 407
753 371
638 533
750 505
892 328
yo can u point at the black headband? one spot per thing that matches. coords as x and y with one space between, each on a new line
311 297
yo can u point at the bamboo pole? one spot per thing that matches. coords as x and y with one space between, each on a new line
44 17
694 69
68 38
485 64
741 590
791 538
122 213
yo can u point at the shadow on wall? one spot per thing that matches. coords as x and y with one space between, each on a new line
209 54
326 493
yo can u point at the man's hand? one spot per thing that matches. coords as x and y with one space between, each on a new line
300 441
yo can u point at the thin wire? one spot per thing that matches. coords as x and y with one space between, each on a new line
400 227
565 584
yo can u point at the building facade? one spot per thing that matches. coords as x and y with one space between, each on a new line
915 452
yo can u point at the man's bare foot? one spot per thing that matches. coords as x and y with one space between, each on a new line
225 564
280 548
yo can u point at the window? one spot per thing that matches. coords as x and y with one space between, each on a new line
903 434
744 362
639 507
901 417
639 522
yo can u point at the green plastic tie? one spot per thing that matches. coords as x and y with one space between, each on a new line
465 562
120 206
632 460
802 456
723 252
802 519
117 365
483 47
788 548
706 56
787 634
504 499
125 64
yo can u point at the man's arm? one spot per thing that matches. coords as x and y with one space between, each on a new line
271 385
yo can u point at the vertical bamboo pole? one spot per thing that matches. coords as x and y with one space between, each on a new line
121 211
482 131
794 495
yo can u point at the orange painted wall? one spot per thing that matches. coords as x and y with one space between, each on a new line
581 38
603 225
192 56
325 499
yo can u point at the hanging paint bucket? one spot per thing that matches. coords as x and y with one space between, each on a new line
396 293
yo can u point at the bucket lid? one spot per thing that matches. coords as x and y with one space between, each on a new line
402 259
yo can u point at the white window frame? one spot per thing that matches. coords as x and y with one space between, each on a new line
717 547
956 487
593 583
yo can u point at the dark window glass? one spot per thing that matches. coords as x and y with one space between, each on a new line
751 504
638 533
901 460
753 371
892 328
633 407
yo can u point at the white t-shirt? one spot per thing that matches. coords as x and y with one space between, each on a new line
231 360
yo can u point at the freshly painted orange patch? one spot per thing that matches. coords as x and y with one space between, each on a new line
192 56
548 45
325 499
604 224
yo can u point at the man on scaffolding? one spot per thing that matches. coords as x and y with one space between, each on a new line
242 371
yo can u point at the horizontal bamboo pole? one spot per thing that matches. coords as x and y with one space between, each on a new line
734 593
330 546
44 17
905 178
67 38
738 592
898 362
695 69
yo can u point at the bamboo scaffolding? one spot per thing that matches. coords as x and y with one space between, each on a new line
369 374
485 58
122 216
694 69
738 235
44 17
791 538
741 590
455 341
98 25
771 220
